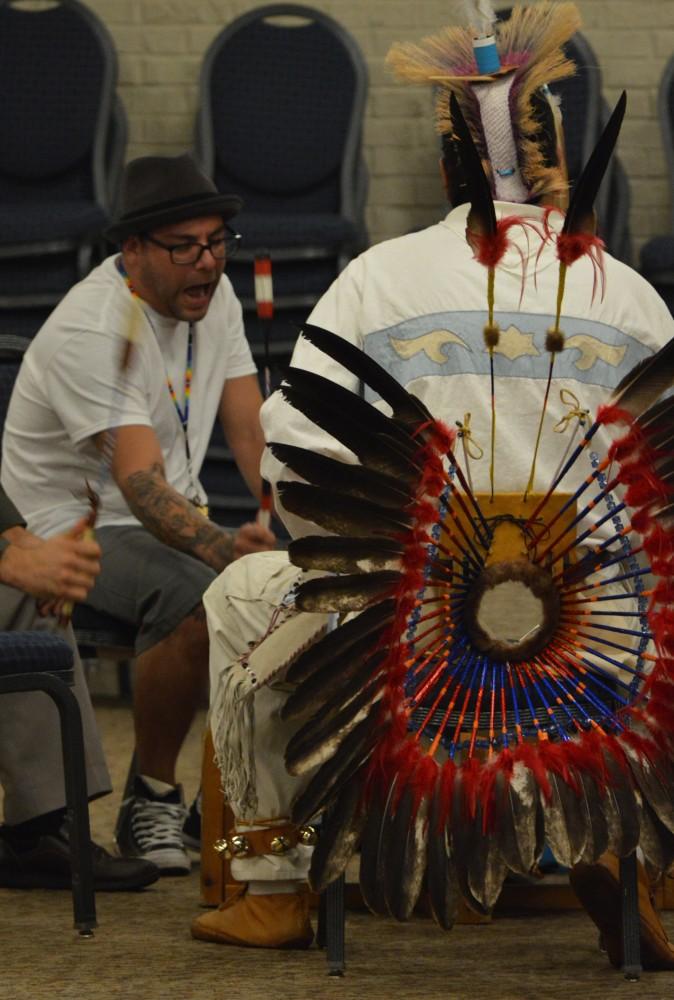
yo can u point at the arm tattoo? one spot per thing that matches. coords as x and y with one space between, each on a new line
172 519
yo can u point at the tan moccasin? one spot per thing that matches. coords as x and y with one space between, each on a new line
279 920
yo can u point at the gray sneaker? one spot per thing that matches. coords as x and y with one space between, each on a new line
150 826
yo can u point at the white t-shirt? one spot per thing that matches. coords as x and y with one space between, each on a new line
69 389
418 306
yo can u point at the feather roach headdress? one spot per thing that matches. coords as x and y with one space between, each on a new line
499 72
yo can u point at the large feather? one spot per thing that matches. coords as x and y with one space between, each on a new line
482 215
338 717
658 420
486 868
341 515
352 480
406 407
321 737
467 845
346 593
662 437
332 776
443 889
341 830
580 217
656 785
487 873
404 854
597 827
332 645
517 804
337 680
566 823
346 555
330 396
378 451
371 857
646 382
656 842
622 808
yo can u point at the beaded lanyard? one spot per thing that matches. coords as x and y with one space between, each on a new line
183 413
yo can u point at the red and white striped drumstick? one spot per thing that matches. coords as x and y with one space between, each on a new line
264 302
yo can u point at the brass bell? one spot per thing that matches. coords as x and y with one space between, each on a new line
222 847
279 845
307 835
239 846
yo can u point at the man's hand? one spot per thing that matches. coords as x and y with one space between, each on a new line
253 537
60 568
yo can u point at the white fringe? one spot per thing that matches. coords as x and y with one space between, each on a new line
233 726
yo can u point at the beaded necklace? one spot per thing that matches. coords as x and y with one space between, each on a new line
184 411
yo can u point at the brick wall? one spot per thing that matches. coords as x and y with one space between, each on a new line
161 44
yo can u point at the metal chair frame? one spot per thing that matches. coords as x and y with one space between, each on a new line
56 686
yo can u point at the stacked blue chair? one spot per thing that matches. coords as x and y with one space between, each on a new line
280 122
63 137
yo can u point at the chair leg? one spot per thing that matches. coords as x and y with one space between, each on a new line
320 925
335 926
630 918
77 800
124 680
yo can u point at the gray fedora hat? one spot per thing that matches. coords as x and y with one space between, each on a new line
158 190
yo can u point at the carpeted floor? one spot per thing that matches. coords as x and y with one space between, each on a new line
143 951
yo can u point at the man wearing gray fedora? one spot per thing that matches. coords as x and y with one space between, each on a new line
119 391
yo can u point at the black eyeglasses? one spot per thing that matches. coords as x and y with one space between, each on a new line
190 253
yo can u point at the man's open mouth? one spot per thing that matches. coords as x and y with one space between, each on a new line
199 292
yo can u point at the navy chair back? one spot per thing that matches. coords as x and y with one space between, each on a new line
283 91
282 98
63 135
57 77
